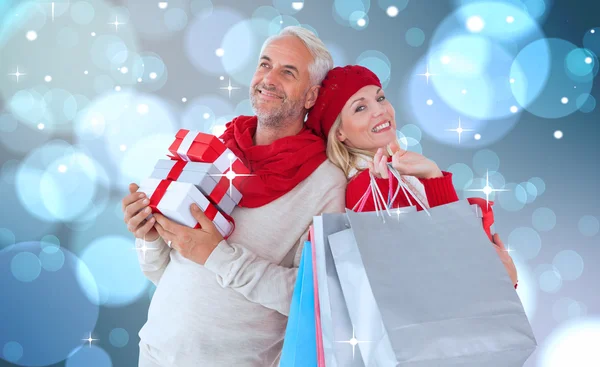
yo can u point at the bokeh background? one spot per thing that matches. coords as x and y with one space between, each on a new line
502 93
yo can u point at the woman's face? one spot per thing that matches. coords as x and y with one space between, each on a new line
367 120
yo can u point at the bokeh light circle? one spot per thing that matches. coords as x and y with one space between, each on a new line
82 12
577 65
12 352
542 82
125 283
175 19
462 175
108 52
288 7
550 281
89 356
217 24
415 37
572 344
25 267
343 10
64 316
118 337
586 103
588 225
544 219
359 20
243 43
485 161
51 260
525 241
378 63
567 308
7 238
57 182
569 264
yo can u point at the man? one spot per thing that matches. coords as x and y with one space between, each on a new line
225 303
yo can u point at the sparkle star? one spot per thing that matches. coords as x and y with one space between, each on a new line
231 175
144 248
17 74
459 130
487 189
427 74
90 339
353 342
116 23
229 88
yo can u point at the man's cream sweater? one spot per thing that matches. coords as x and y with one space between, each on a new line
233 310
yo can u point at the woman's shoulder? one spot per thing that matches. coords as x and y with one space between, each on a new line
357 185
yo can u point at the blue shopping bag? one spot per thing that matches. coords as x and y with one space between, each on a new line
300 342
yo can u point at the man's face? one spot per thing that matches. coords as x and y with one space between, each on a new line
280 84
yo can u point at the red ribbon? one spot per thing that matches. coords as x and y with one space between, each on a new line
205 148
220 190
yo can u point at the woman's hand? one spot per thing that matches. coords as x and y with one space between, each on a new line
507 261
405 162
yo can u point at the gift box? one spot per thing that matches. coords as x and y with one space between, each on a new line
173 199
197 146
205 176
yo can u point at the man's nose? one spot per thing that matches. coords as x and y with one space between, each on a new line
270 79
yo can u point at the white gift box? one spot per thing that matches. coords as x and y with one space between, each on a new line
206 176
173 199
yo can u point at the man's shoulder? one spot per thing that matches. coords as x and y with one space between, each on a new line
329 175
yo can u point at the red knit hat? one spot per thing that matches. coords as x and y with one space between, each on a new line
337 87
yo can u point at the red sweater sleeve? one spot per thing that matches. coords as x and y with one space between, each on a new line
439 190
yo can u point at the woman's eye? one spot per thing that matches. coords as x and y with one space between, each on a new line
360 108
381 99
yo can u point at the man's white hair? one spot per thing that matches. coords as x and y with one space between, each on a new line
322 63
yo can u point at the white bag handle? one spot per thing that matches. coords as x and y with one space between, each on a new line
406 188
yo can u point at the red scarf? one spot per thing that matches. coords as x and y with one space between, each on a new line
277 167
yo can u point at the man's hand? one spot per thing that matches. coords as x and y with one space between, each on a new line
507 261
136 210
193 244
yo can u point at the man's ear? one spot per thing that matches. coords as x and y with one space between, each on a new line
311 96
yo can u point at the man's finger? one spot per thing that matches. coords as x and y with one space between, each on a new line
135 221
130 199
133 188
205 222
166 235
168 225
132 209
143 230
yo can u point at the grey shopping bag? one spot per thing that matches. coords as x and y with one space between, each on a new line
335 322
443 295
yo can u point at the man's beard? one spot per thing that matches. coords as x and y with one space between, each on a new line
275 117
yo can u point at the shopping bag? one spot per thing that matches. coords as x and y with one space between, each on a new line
299 344
429 289
319 335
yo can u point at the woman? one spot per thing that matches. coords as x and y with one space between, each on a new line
357 121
